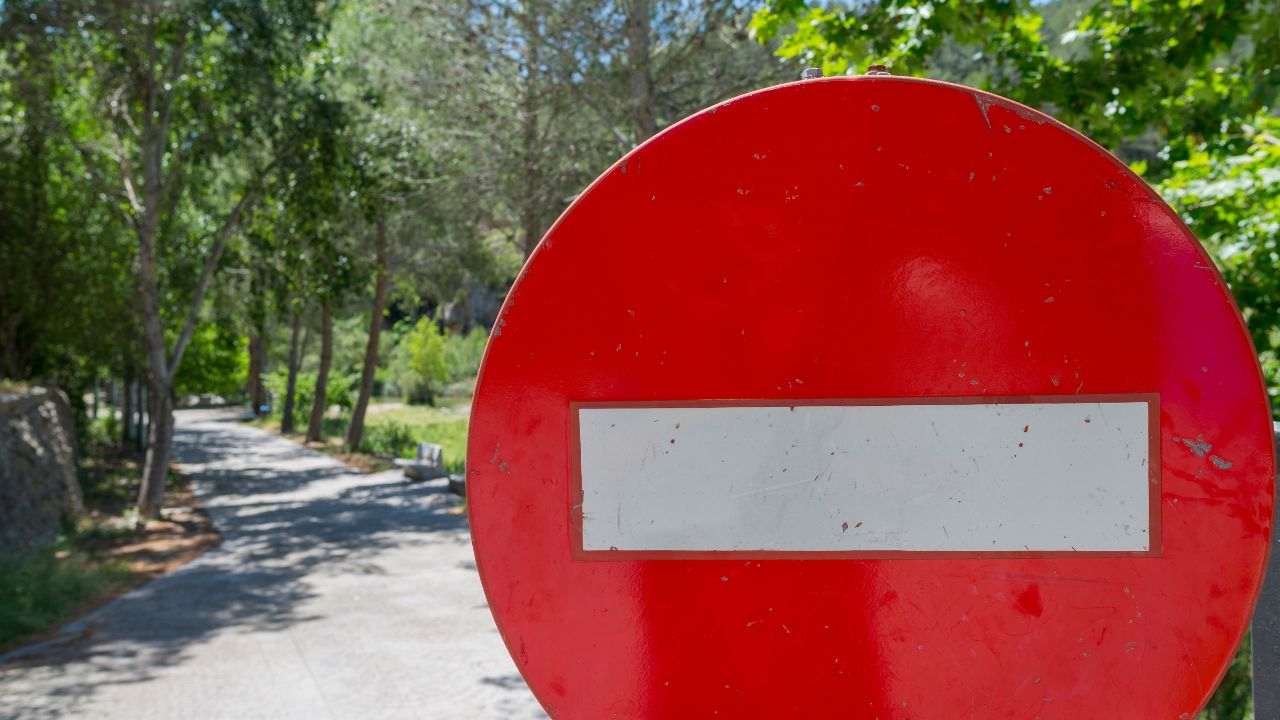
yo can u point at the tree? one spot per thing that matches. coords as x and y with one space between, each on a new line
355 430
421 366
385 164
65 299
541 96
320 398
291 383
188 91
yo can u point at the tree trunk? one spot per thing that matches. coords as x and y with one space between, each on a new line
159 381
315 428
126 407
532 180
139 412
355 430
257 366
155 469
291 386
639 30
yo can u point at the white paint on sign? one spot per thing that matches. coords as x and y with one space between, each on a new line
980 477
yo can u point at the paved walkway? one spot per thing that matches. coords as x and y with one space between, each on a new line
333 595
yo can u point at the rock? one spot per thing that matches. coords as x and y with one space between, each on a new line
38 484
458 485
428 465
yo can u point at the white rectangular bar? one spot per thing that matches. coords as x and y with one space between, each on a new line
947 477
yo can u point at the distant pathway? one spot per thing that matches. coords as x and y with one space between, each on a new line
334 595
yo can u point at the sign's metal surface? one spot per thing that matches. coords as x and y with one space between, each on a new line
868 480
840 240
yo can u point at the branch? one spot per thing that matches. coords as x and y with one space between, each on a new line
126 175
211 260
91 165
715 14
169 81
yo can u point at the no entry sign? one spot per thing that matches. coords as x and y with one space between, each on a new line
874 398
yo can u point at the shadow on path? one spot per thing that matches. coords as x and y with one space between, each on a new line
304 539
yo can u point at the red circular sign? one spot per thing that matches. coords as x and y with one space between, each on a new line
880 254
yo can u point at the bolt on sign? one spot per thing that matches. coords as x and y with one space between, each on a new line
870 398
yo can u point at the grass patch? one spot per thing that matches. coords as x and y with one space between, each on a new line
393 429
106 551
48 586
397 432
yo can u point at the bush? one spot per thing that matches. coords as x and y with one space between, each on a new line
304 390
40 589
391 438
339 392
216 362
462 354
418 364
101 432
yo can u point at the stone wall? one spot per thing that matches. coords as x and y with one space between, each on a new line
38 485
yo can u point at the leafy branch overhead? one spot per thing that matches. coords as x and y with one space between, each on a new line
1114 69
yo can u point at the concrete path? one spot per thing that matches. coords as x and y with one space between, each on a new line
333 595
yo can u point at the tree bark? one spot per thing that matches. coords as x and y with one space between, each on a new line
155 469
639 31
126 407
161 369
355 431
291 385
139 412
531 177
159 382
257 366
315 428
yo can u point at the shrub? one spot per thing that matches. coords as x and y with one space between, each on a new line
462 354
40 589
341 390
278 383
101 432
215 362
418 363
391 438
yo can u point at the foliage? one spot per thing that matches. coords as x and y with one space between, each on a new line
462 353
43 587
442 426
1234 697
65 298
1120 70
100 433
304 391
418 366
338 392
391 438
215 362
